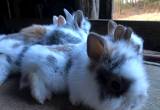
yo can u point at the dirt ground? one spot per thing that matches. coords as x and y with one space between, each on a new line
139 11
11 98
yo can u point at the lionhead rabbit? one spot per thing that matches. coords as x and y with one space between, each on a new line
76 27
75 30
108 74
95 73
135 40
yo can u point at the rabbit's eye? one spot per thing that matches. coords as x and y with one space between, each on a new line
115 85
112 84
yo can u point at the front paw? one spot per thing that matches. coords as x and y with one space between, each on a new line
42 96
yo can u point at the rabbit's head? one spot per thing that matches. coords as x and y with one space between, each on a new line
74 29
78 21
135 40
117 70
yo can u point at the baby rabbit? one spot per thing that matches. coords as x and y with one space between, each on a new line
75 30
135 39
13 46
107 75
60 32
95 73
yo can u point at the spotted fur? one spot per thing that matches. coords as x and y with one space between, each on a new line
60 32
97 76
115 79
95 73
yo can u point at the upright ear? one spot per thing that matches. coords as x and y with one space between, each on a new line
128 33
111 27
69 17
55 20
95 46
78 18
61 20
119 32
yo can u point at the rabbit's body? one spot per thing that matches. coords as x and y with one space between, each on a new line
101 73
73 29
43 68
46 70
63 32
11 50
87 87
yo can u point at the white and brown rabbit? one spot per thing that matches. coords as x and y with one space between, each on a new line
103 74
13 46
107 75
73 29
135 39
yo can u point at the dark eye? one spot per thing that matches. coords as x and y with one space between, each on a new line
115 85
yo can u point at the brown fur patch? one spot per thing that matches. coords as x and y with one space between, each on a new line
35 31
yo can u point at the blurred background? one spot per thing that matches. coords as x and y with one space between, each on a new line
140 10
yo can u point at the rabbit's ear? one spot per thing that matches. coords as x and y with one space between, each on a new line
61 20
119 32
111 27
78 18
128 33
69 16
55 20
95 46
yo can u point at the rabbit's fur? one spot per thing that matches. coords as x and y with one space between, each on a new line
109 76
62 31
104 73
14 45
135 39
73 29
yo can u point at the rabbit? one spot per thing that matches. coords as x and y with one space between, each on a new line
75 30
45 71
35 33
107 74
135 39
95 73
13 46
28 36
10 51
62 30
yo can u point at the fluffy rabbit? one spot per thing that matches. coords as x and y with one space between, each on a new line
14 45
95 73
61 31
135 39
75 30
107 75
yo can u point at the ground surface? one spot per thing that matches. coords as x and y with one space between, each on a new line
13 99
140 12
